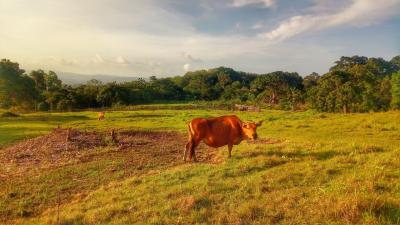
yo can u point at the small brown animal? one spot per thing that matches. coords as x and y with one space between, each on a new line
247 108
101 115
218 132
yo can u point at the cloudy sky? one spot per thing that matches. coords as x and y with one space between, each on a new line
169 37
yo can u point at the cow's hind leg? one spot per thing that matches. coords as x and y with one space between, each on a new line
188 148
193 150
230 150
193 142
189 144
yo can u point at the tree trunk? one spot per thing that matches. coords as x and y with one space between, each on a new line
273 99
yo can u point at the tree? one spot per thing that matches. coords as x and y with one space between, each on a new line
218 83
10 73
275 87
334 92
91 91
202 85
396 62
166 89
67 98
53 88
385 93
345 63
354 84
311 80
310 83
38 76
395 104
52 81
16 89
113 93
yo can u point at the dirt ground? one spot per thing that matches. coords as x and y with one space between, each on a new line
137 147
33 171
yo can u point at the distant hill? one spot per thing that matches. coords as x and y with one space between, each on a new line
75 78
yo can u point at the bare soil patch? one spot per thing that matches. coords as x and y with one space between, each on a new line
50 170
138 148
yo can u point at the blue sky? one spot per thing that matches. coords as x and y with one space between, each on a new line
170 37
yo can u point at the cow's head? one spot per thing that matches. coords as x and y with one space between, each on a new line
250 130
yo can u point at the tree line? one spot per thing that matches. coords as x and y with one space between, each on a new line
353 84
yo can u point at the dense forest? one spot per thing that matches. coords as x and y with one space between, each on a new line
353 84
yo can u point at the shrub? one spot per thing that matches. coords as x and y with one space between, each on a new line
396 91
9 114
43 106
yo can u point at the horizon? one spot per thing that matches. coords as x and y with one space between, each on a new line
173 75
168 38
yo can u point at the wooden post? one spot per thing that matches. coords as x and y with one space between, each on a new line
114 136
57 129
69 134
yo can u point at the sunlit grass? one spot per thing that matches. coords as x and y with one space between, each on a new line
322 169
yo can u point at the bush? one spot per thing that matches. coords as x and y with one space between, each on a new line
396 91
63 105
9 114
43 106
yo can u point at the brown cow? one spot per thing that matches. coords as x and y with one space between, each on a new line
218 132
101 115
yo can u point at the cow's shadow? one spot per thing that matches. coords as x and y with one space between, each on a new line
322 155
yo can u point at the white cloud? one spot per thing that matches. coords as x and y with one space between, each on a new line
292 27
121 60
257 26
264 3
97 59
89 36
63 61
188 56
68 62
357 13
186 67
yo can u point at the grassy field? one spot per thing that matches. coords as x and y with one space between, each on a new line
308 168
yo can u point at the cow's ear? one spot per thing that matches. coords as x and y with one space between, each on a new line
259 123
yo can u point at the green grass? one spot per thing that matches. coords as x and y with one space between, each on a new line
323 169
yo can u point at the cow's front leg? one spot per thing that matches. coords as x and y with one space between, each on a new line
230 149
194 156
